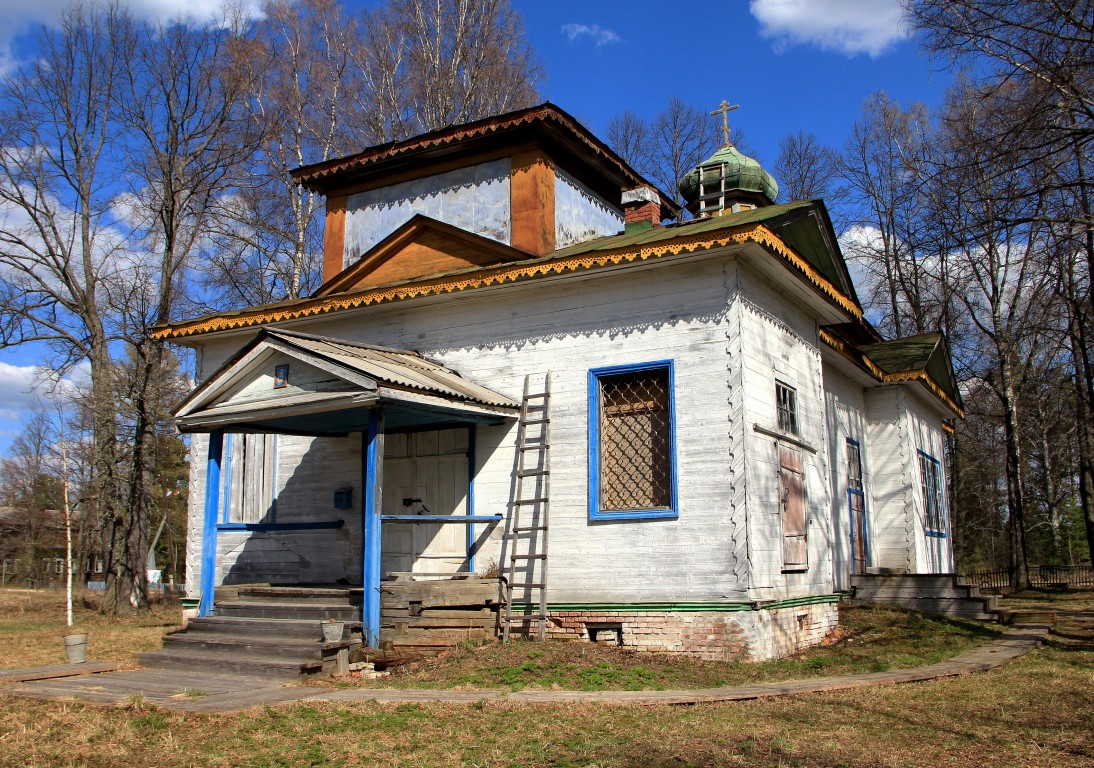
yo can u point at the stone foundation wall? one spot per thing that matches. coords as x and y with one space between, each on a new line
715 635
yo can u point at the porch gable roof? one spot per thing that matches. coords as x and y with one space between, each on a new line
328 386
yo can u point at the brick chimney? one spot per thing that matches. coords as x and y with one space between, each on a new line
641 205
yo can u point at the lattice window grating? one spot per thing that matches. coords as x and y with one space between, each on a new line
635 441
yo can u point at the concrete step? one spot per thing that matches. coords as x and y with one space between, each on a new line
288 610
246 646
325 595
207 661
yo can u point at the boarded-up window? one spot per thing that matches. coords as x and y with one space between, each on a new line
632 446
249 477
792 499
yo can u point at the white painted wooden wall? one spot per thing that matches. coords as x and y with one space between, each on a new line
730 334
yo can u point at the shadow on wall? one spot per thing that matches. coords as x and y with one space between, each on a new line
309 470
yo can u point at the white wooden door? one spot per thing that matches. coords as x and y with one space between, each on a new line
426 474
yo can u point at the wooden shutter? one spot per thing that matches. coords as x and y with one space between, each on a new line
251 491
792 499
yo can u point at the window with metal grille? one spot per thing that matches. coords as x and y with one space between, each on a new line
786 406
930 484
632 453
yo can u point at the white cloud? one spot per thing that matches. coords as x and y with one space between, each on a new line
18 17
22 387
847 26
598 34
16 389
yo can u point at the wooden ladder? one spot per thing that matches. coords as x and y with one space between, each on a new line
527 571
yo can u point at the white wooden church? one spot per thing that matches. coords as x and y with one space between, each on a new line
686 435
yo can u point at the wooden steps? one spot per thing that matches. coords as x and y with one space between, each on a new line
943 594
266 631
422 618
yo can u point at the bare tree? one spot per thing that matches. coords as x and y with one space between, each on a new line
28 486
1048 42
59 240
884 167
804 168
682 137
182 108
631 137
1001 281
428 64
1035 61
302 84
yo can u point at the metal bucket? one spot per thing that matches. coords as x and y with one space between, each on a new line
332 631
76 648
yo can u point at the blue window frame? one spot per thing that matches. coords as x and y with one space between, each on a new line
632 442
930 483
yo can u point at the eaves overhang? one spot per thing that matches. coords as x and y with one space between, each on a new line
570 260
862 361
545 123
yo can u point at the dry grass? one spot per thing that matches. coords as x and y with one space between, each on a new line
1036 711
32 623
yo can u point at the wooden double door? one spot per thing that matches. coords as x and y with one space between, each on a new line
426 474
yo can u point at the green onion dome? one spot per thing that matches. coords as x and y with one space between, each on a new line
742 174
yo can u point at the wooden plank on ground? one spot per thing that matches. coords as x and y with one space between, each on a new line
55 670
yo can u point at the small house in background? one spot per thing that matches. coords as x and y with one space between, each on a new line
681 437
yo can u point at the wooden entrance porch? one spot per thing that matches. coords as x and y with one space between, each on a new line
276 630
312 387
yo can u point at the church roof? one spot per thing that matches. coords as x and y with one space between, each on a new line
797 234
923 358
545 124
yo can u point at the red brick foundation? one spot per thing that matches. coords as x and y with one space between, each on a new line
715 635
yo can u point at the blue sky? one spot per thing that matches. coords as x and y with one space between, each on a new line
790 64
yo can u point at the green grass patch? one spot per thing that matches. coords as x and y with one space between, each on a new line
868 640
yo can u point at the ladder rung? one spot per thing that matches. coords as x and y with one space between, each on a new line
528 557
538 500
533 472
533 422
527 585
526 528
520 618
536 394
535 447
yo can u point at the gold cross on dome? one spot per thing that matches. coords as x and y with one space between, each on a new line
724 110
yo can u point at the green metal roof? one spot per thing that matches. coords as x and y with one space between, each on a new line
901 355
803 225
924 352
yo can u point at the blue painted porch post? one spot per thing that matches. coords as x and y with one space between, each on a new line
209 530
372 506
